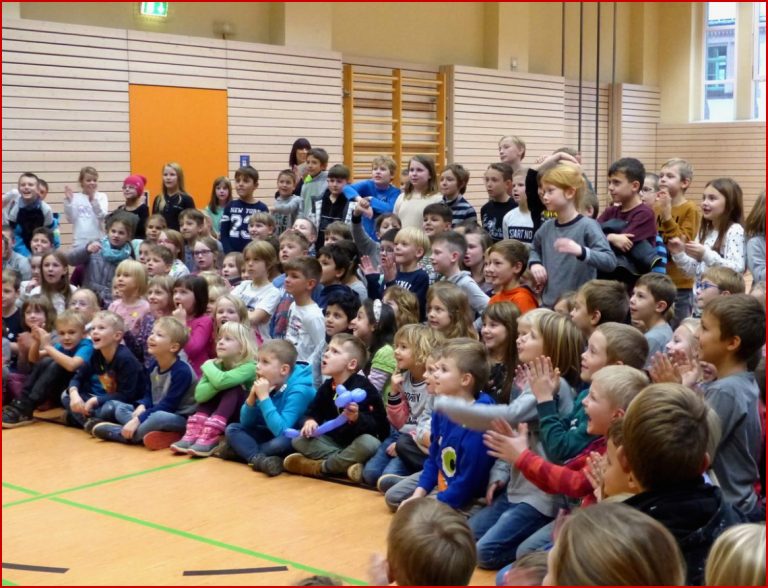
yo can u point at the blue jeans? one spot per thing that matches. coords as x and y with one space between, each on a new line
382 463
501 527
541 540
249 442
157 421
106 411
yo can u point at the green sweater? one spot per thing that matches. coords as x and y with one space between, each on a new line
564 438
215 380
384 365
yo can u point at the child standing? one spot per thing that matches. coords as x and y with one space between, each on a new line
411 244
86 210
277 401
571 247
160 417
517 223
598 302
755 233
234 220
287 205
25 210
478 242
190 297
221 195
133 192
258 293
333 205
448 251
499 335
220 391
721 238
341 449
131 281
453 185
420 191
677 218
192 222
498 184
651 308
506 263
173 199
377 196
315 180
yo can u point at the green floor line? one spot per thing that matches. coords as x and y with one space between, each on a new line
206 540
20 489
38 496
8 583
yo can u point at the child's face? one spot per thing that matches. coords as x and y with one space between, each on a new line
69 334
499 271
227 347
245 186
90 184
204 257
381 175
290 250
388 224
143 253
649 192
518 188
429 375
189 229
361 326
530 345
229 269
154 229
330 273
259 230
642 306
222 193
620 188
301 154
403 355
9 297
35 262
103 334
406 253
475 255
272 369
125 284
40 243
670 179
159 300
83 305
706 290
555 198
156 266
712 204
449 185
495 184
117 234
580 315
599 409
438 316
595 356
336 360
255 268
443 258
159 342
225 312
682 345
387 249
494 334
615 479
53 270
712 348
336 320
296 283
34 317
314 165
419 175
185 299
331 238
304 227
509 152
166 242
433 224
561 307
285 185
449 380
28 187
170 178
336 185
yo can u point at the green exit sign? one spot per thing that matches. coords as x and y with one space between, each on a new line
154 9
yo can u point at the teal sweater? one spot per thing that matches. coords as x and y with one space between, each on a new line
564 438
214 379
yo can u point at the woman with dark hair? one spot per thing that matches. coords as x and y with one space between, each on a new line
297 161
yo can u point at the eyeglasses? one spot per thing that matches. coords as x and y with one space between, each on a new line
202 251
706 286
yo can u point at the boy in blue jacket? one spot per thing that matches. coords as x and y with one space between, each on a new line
458 466
277 401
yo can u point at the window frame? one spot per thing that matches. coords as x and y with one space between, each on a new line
756 77
705 83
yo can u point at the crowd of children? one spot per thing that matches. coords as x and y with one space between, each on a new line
486 372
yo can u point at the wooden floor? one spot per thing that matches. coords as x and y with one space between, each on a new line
111 514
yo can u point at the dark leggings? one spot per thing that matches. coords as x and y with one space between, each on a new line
409 452
225 404
46 382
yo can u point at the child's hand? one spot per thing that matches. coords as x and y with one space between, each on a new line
504 442
595 470
545 381
493 488
539 274
690 372
260 388
522 377
418 493
93 247
396 381
90 404
665 203
42 336
309 428
391 451
621 242
388 267
352 412
676 245
129 428
568 246
708 371
378 570
695 250
663 370
68 193
180 314
367 265
76 403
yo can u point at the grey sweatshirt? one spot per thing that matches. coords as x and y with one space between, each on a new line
478 300
567 272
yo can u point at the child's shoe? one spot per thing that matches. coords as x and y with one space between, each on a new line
91 423
225 451
194 427
387 481
13 417
296 463
272 466
256 462
355 472
109 432
156 440
209 438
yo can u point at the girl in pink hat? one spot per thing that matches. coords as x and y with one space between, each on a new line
135 202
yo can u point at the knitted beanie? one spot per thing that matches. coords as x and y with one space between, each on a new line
137 181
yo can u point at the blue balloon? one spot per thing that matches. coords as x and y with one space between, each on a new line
344 397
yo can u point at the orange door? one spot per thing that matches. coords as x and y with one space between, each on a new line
185 125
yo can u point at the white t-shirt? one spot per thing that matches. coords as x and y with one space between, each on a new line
86 216
306 330
263 298
518 225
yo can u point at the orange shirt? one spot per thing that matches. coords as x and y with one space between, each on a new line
521 297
